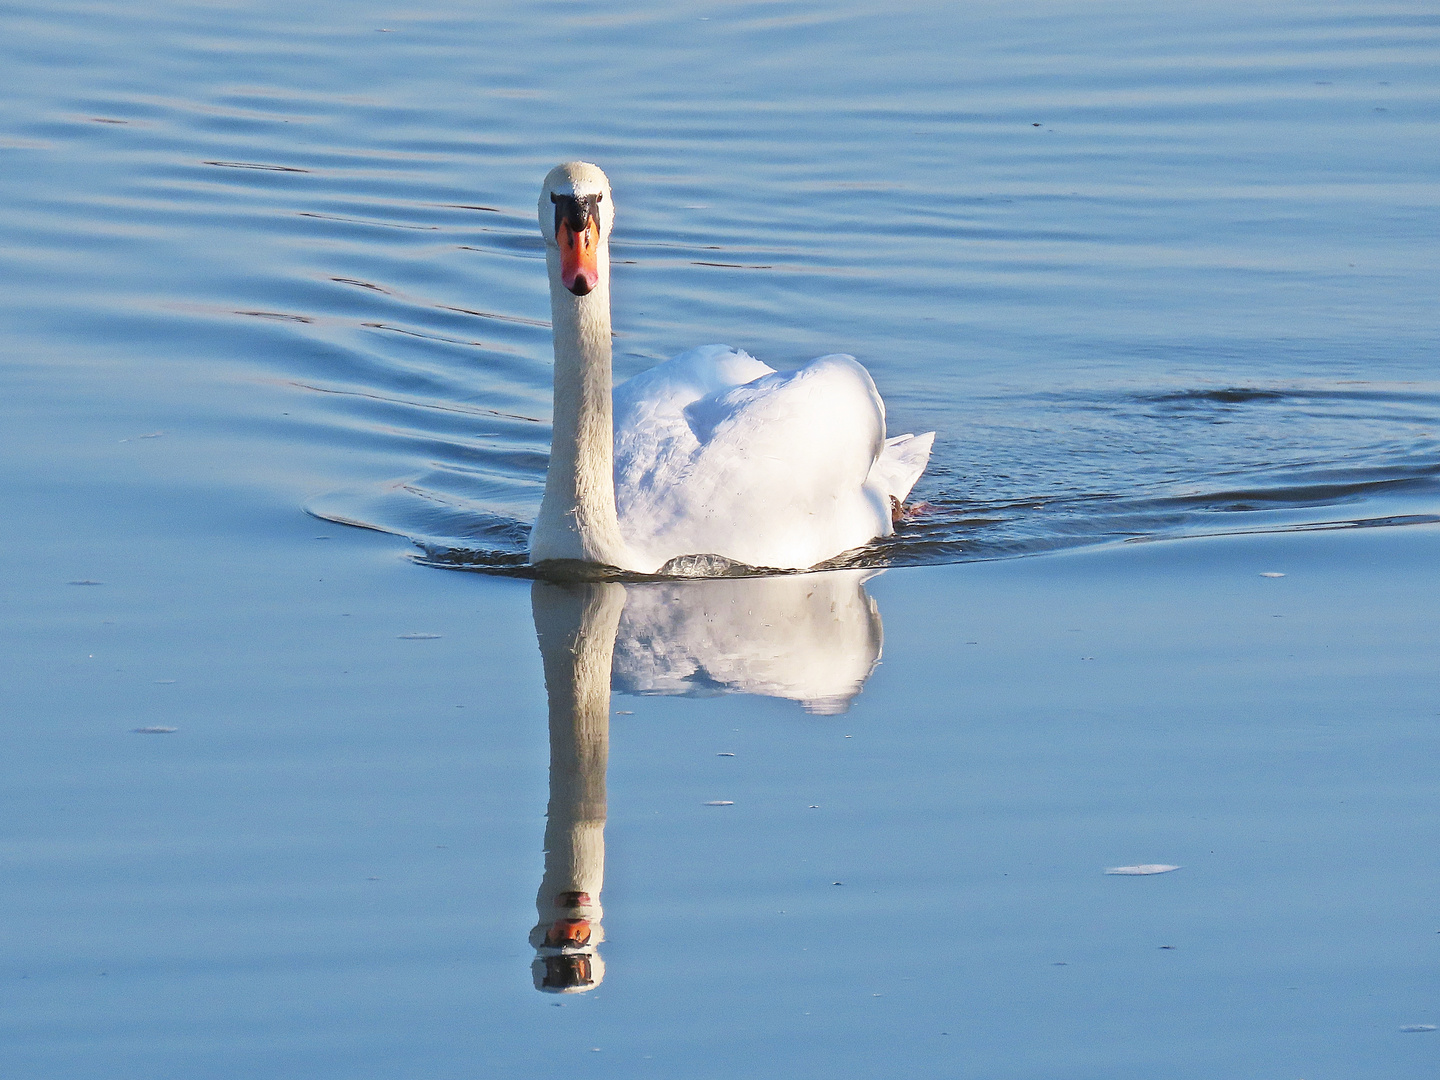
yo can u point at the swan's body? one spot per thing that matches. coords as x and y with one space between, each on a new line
709 453
717 453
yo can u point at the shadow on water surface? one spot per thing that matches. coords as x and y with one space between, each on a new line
814 639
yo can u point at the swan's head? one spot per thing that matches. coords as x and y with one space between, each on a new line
576 213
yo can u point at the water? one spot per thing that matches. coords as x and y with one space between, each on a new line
1145 273
1149 272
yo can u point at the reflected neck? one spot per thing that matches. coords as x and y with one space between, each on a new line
575 625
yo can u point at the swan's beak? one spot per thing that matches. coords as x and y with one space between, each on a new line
579 255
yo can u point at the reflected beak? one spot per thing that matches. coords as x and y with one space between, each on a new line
568 933
579 254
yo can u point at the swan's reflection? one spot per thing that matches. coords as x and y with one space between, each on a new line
575 625
812 638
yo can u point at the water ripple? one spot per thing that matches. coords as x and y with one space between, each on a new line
1172 278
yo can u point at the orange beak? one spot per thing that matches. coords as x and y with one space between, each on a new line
579 255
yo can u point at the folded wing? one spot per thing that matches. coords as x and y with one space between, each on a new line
717 453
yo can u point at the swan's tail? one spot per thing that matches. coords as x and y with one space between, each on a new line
901 463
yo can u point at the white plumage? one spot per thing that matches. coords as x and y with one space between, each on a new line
718 453
711 453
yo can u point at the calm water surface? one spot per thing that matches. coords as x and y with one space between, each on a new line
1148 271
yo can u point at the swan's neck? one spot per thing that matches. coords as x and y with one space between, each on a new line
577 514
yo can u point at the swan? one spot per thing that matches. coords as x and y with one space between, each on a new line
709 458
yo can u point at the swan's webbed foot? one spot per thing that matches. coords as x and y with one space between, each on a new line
901 512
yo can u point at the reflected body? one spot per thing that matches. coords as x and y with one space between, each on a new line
811 638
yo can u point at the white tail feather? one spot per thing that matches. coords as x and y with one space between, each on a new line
901 463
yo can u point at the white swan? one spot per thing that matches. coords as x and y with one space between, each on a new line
711 453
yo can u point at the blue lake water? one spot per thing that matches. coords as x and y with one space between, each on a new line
1149 272
1145 273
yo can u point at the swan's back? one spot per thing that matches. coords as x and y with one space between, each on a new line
717 453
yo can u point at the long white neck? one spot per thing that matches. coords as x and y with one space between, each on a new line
577 514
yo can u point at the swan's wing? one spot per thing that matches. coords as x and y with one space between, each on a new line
901 463
771 472
823 422
653 440
661 394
